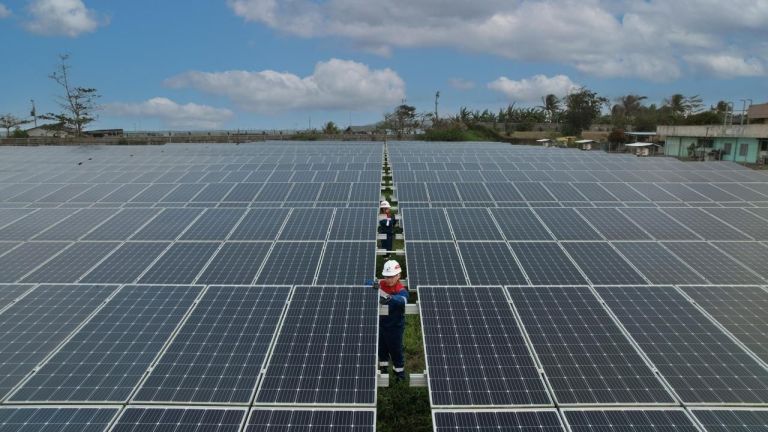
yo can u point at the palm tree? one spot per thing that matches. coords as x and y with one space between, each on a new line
676 103
550 104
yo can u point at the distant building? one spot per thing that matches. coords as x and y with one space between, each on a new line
737 143
758 114
50 131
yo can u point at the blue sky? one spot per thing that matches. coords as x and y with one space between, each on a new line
256 64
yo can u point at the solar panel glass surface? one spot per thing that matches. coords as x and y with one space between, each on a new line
517 421
724 420
179 419
490 263
629 421
291 263
347 263
316 420
55 419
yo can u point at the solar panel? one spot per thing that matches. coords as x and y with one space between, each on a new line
534 191
124 193
426 224
442 192
547 264
126 264
168 225
214 224
653 192
335 192
594 192
96 193
602 264
9 293
273 192
741 191
629 421
304 192
218 354
434 264
564 191
683 193
32 224
700 362
236 263
743 311
732 420
55 419
657 264
260 224
504 191
490 263
122 225
180 419
753 255
520 224
26 257
473 224
475 352
566 224
76 225
704 225
347 263
712 192
585 356
407 192
35 325
344 371
108 356
714 265
354 224
365 192
213 192
73 262
473 192
314 420
517 421
613 225
624 192
291 263
746 222
307 224
180 264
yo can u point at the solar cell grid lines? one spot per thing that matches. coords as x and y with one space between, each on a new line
9 293
73 262
107 357
179 419
291 263
180 264
566 224
713 264
657 264
520 224
602 264
77 225
629 421
473 224
58 419
214 224
236 263
436 263
315 420
475 352
613 225
347 263
586 357
752 255
24 258
219 352
516 421
490 263
260 224
699 361
307 224
704 224
343 371
732 420
354 224
167 225
32 224
425 224
35 325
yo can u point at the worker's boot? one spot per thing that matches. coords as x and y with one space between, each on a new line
400 375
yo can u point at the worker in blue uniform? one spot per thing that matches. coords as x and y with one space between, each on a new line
392 326
387 224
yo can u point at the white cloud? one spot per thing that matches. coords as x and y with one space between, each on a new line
534 88
4 11
335 84
461 84
649 39
174 115
726 65
62 17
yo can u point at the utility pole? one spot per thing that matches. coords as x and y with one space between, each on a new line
33 113
437 96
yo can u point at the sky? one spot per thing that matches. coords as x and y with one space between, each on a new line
292 64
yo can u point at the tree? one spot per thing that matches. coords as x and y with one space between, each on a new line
550 105
403 120
582 108
9 121
330 128
683 106
78 104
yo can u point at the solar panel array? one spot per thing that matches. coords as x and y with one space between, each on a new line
156 287
218 287
626 286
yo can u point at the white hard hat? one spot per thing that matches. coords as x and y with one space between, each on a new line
384 204
391 268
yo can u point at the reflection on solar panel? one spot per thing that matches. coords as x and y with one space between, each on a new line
347 263
547 264
107 357
56 419
602 265
566 224
344 371
291 263
25 258
714 265
629 421
426 224
260 224
515 421
180 263
657 264
35 325
434 264
700 362
743 311
520 224
473 224
475 353
126 264
218 354
286 420
72 263
585 355
236 263
737 420
490 263
180 419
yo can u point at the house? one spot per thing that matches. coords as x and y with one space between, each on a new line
737 143
758 114
50 131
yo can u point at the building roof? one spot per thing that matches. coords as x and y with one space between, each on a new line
758 111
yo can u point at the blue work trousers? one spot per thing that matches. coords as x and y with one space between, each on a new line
391 346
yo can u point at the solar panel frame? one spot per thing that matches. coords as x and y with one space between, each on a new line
291 263
26 257
442 264
519 420
347 263
622 420
731 419
313 420
425 224
657 264
71 263
62 419
491 263
714 265
603 265
187 419
567 224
